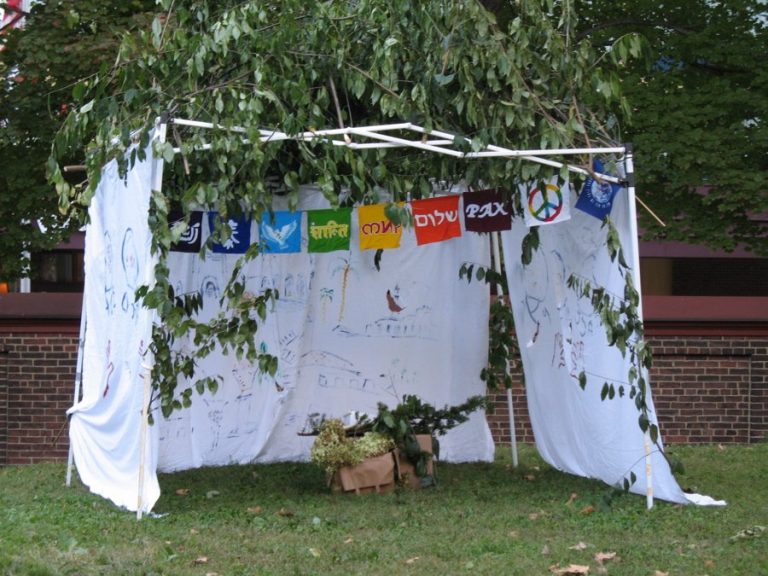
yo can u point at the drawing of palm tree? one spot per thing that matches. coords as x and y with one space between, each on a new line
326 295
343 265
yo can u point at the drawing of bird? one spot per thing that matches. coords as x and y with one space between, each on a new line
392 303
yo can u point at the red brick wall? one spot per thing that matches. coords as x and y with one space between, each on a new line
705 388
37 374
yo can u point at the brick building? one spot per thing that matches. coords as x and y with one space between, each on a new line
709 381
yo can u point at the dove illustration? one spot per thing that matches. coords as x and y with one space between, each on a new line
279 237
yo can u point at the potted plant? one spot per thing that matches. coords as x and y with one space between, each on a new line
414 427
359 463
404 437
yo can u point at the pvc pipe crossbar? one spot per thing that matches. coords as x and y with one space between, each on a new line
440 145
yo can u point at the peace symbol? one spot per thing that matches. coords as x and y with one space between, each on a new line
545 205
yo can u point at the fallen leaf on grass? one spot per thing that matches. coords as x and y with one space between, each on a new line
211 574
571 499
720 448
200 560
212 494
752 532
254 510
545 550
601 557
348 540
194 531
579 546
315 552
587 510
514 534
530 477
709 563
411 560
533 516
285 512
660 573
574 569
182 491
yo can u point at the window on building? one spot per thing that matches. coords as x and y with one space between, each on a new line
704 276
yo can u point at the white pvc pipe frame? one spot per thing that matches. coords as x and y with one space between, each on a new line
439 145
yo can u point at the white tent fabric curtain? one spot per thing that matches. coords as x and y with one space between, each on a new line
105 424
560 336
341 348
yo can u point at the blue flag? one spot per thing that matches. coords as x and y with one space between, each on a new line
596 199
240 239
280 232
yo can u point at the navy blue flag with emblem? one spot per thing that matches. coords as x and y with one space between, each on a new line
190 239
240 238
596 199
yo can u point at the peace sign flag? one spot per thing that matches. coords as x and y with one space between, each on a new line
546 202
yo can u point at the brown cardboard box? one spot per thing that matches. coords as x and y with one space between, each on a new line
406 472
373 475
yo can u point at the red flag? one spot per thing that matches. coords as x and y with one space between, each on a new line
436 219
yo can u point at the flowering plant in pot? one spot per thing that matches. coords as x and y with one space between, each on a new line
402 429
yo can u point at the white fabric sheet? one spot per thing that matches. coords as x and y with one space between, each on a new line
105 424
340 347
560 335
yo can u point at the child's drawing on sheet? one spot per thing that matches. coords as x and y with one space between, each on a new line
109 278
343 268
209 289
109 370
536 285
131 270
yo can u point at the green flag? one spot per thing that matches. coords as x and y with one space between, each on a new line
329 230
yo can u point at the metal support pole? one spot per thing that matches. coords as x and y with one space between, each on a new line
157 185
496 245
78 382
629 168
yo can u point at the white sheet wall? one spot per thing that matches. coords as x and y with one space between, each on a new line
560 335
340 347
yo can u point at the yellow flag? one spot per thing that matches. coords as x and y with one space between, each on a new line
376 230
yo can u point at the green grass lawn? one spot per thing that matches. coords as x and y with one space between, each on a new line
481 519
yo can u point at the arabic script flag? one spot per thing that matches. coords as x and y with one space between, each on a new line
190 240
486 211
280 232
239 240
546 202
329 230
377 232
436 219
596 199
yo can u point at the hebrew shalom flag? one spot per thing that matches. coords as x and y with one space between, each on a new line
436 219
596 198
486 211
191 238
240 238
329 230
377 232
280 232
546 202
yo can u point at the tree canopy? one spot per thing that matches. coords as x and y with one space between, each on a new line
699 119
63 41
525 81
295 66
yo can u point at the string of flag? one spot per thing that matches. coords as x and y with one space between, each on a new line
434 220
